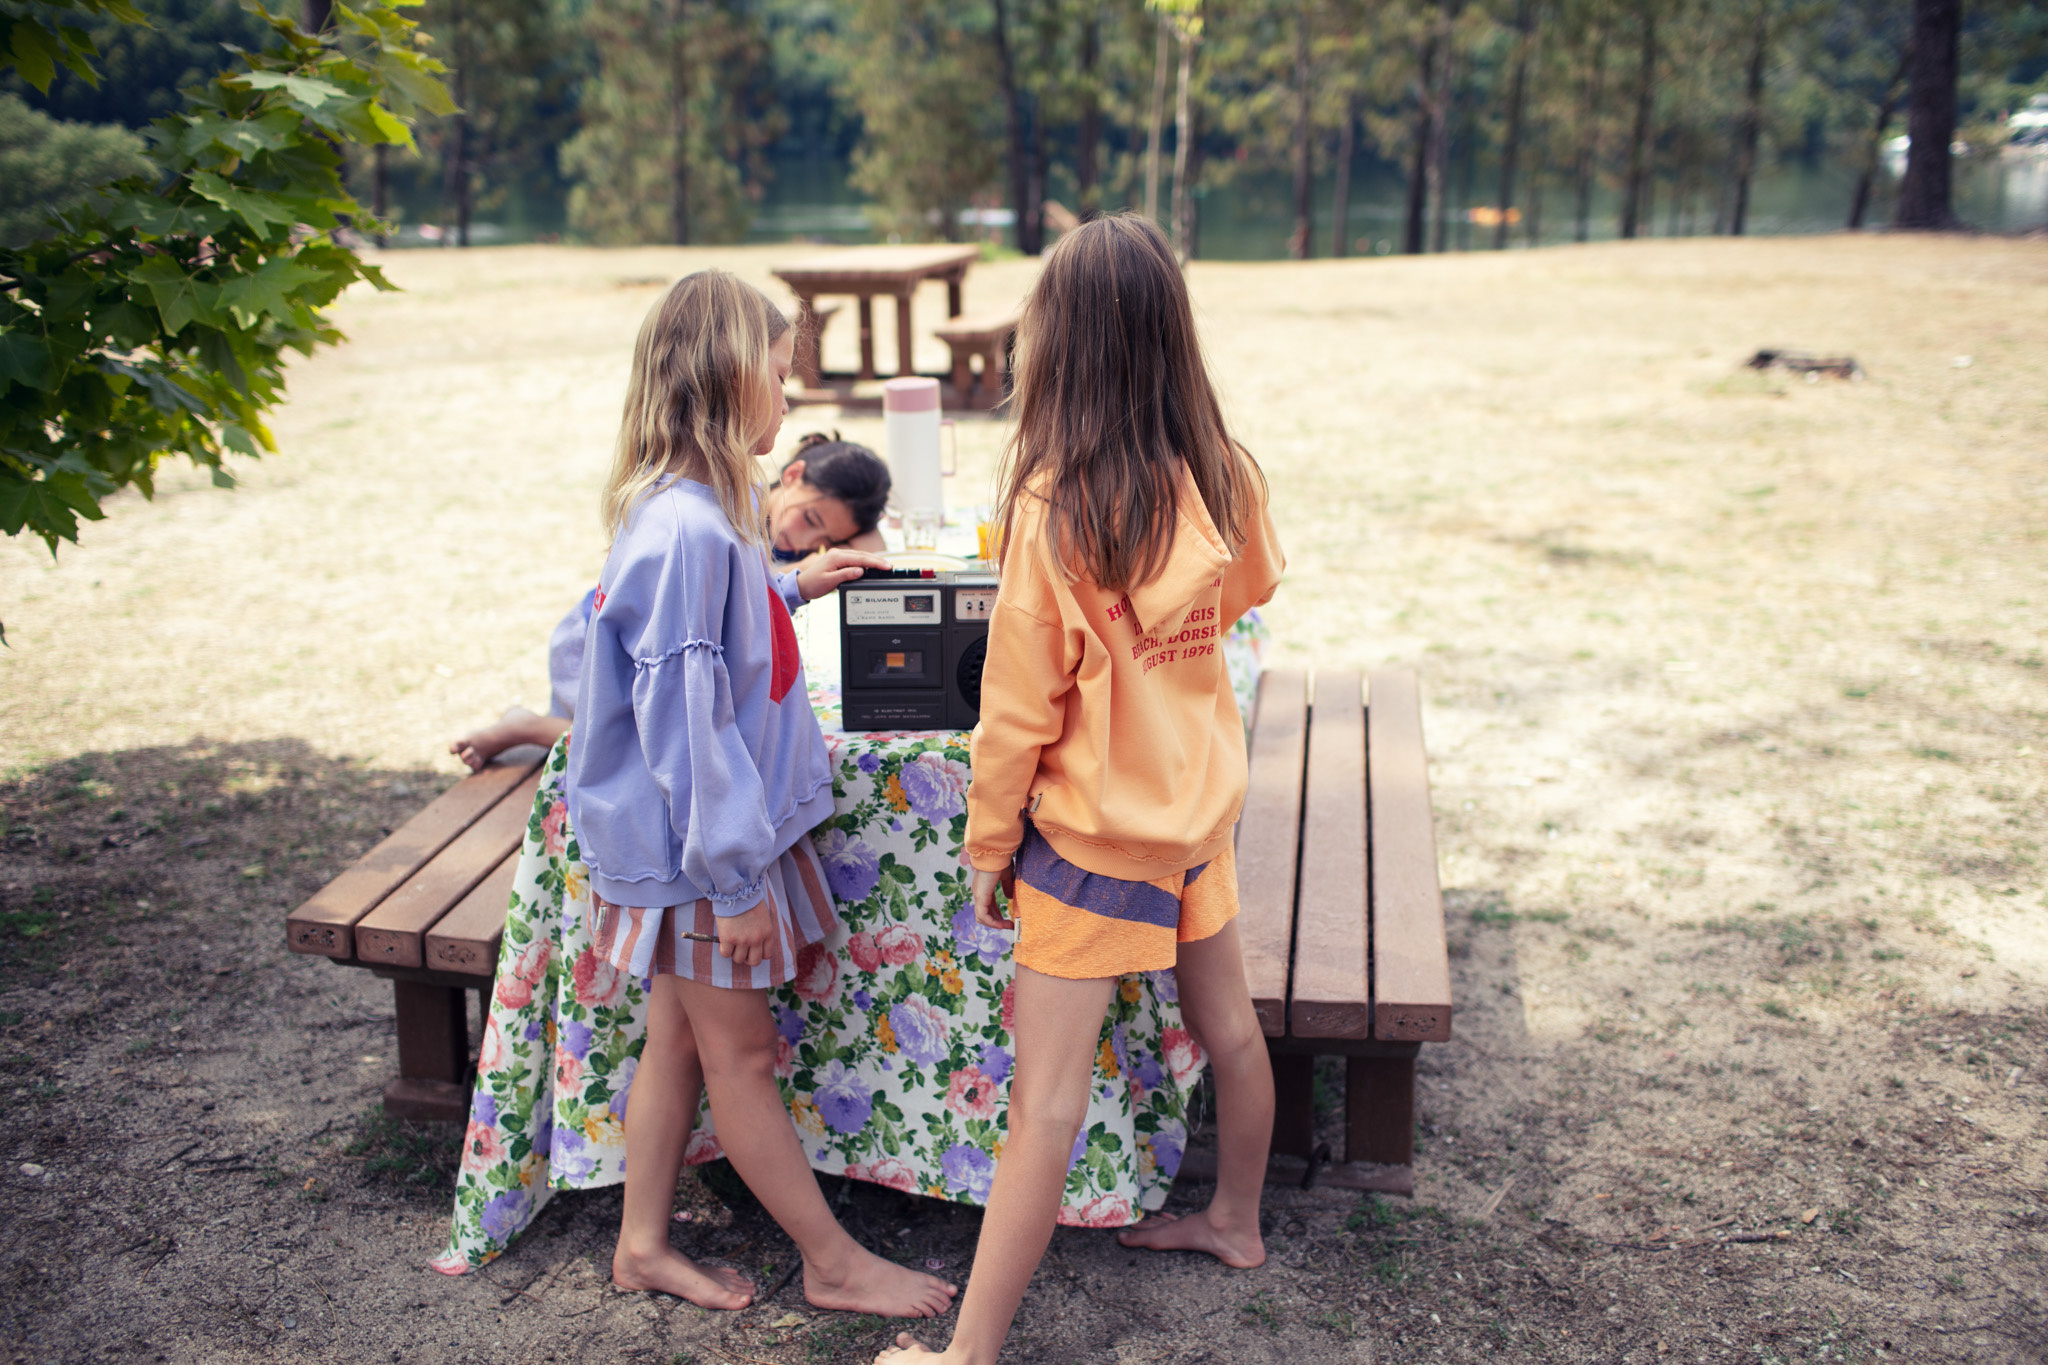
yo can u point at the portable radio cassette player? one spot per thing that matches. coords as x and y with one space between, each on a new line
911 646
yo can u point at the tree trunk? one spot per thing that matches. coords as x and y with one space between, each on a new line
1635 208
458 151
1183 138
1191 207
315 15
1532 217
1750 130
1298 244
1340 207
380 187
1090 194
679 124
1425 140
1511 148
1589 141
1924 195
1013 123
1440 119
1155 128
1859 203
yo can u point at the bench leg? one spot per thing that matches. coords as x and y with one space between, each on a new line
953 296
1294 1105
433 1053
867 336
963 373
1379 1109
906 340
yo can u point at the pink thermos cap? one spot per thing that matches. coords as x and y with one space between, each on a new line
912 393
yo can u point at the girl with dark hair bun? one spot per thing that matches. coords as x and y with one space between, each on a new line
831 493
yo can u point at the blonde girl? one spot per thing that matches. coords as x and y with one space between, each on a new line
695 777
1109 765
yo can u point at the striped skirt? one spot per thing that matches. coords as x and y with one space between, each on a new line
644 942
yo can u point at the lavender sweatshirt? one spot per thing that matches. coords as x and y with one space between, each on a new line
696 759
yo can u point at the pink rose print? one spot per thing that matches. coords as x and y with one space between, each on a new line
597 981
861 948
971 1094
513 993
1103 1211
532 964
893 1172
1010 1007
785 1057
491 1054
481 1149
1183 1054
568 1071
898 945
703 1147
817 972
551 827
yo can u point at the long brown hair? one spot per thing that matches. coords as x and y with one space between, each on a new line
701 393
1112 400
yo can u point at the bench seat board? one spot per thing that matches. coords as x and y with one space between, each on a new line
466 938
325 924
1411 967
1329 998
395 931
1268 840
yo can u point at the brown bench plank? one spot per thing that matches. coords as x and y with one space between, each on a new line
1411 962
394 933
1268 839
1330 999
325 924
466 938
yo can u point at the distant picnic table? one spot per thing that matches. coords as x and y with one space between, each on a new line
863 272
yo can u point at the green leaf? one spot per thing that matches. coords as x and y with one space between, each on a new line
24 360
268 290
179 297
306 90
259 211
159 217
32 51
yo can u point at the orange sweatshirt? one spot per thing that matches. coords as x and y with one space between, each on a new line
1112 711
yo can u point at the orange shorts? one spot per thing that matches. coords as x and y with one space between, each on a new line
1080 925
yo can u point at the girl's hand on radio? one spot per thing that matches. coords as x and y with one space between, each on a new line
985 884
827 569
745 937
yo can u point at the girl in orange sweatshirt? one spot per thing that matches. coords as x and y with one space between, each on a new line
1109 765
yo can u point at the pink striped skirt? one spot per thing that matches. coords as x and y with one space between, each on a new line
644 942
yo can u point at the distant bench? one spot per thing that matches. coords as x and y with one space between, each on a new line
986 337
1342 921
426 909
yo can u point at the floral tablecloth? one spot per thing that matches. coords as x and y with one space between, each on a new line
895 1050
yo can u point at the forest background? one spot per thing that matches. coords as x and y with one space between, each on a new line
644 121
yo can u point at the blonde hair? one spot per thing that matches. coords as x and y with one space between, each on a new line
702 393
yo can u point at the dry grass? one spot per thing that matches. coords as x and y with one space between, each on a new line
1736 694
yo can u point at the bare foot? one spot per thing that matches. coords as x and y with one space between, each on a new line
671 1272
907 1347
869 1284
1170 1232
518 726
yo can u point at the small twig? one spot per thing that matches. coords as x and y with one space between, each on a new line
782 1280
1486 1210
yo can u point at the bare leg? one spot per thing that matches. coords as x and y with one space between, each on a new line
519 726
738 1037
659 1113
1059 1023
1218 1007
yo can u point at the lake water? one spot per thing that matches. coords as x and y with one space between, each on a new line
1250 216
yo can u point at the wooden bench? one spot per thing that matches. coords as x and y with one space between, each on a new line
426 909
987 337
1342 921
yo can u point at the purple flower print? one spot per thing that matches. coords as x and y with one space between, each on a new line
576 1039
1080 1148
936 786
862 1001
622 1085
1120 1045
851 867
1146 1071
920 1030
968 1170
1166 1150
995 1063
483 1108
789 1024
533 1030
970 935
1165 984
570 1156
543 1127
868 762
505 1217
843 1100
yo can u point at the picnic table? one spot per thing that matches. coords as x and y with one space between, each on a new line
896 1051
864 272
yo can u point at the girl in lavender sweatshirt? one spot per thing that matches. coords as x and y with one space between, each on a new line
695 774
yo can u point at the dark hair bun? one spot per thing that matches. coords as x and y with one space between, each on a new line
851 473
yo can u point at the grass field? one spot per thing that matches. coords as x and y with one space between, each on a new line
1736 691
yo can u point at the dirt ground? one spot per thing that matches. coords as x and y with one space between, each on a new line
1737 710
